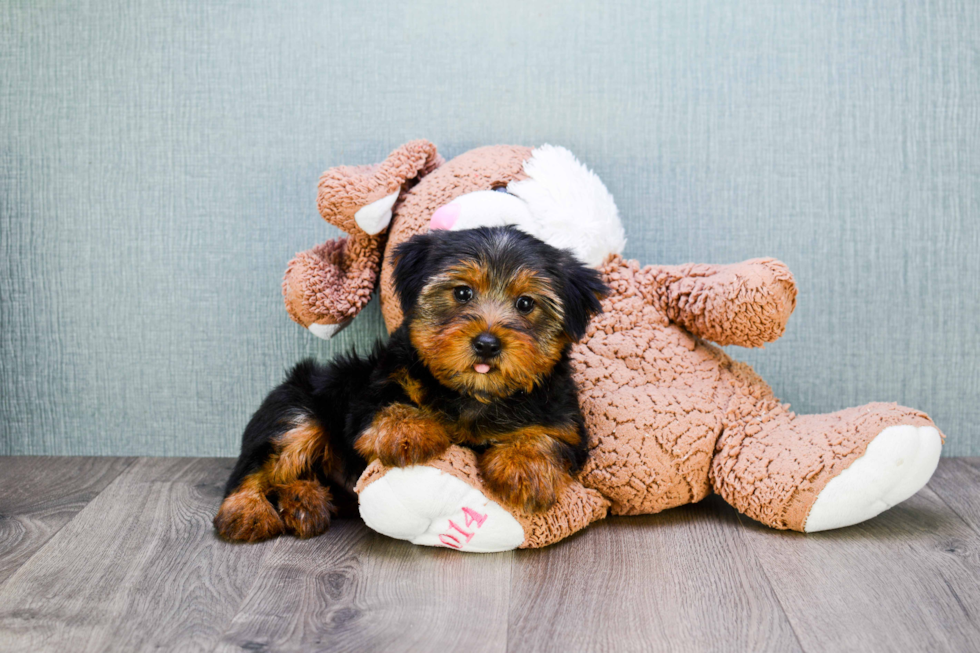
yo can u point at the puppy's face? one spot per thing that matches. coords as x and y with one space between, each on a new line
491 310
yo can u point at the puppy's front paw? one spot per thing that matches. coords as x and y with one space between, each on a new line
403 435
410 446
523 480
247 516
305 507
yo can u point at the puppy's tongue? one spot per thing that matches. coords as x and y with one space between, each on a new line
482 368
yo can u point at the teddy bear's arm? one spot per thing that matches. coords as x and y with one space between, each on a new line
325 287
359 199
745 304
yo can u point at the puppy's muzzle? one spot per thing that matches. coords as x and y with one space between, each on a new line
486 345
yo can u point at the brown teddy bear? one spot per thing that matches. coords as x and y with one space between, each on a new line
671 417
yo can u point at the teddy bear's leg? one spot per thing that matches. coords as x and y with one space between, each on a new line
818 472
897 463
444 503
325 287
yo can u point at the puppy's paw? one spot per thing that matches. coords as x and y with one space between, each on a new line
523 480
305 508
403 435
410 446
247 516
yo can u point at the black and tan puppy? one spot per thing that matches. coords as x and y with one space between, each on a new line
480 360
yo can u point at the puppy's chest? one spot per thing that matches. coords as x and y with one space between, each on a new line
471 422
474 423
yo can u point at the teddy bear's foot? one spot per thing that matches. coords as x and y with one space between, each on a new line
898 462
445 503
427 506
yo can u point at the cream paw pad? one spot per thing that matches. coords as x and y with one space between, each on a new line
897 464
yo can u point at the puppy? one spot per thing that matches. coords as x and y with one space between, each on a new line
480 360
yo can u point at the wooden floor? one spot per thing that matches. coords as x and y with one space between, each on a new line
118 554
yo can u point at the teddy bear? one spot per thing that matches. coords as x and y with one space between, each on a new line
671 417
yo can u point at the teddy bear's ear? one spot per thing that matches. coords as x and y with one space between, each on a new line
359 199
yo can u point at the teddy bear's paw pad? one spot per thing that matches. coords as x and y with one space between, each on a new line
426 506
374 217
898 462
328 331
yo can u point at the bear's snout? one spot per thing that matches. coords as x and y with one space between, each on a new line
444 217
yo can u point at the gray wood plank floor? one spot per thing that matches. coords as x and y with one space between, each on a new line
113 554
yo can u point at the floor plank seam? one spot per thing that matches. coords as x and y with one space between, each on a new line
510 598
775 594
53 535
969 524
245 595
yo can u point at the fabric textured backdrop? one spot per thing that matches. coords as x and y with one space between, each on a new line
159 161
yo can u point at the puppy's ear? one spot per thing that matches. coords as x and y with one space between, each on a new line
584 292
412 269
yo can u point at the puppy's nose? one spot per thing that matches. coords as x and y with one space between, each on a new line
486 344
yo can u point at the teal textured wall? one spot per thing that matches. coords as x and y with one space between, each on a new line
158 164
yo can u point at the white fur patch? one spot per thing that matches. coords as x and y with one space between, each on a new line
570 206
896 465
328 331
374 217
562 202
491 208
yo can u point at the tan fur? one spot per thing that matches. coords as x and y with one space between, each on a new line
412 386
403 435
246 515
525 469
296 451
568 434
304 504
446 348
484 168
306 507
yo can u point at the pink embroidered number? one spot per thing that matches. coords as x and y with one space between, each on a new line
474 516
445 540
471 517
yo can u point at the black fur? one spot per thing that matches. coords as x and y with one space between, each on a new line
344 396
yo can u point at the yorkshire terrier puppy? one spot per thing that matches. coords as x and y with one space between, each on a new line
480 360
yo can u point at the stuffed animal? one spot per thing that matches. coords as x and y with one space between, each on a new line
671 417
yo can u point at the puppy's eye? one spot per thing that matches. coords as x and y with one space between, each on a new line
524 305
463 294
